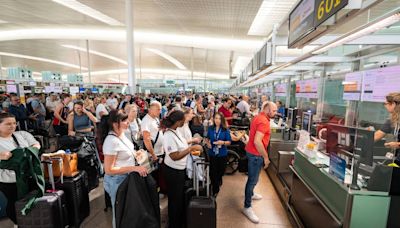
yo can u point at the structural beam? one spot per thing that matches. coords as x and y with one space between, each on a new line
130 46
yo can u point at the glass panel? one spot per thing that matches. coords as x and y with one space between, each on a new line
333 102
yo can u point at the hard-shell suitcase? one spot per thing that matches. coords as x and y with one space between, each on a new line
77 195
49 211
202 210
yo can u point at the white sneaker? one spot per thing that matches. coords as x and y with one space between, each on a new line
251 215
256 196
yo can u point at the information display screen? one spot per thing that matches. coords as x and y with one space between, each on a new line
74 90
352 86
324 9
301 21
280 90
380 82
12 88
307 88
267 91
49 89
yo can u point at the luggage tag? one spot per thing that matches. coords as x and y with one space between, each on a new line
389 155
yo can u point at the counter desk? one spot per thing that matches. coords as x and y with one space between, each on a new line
318 199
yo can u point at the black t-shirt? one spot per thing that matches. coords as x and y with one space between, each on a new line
389 129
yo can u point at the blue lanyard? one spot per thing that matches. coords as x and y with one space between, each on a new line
217 133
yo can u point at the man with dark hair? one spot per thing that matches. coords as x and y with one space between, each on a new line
20 113
225 110
38 109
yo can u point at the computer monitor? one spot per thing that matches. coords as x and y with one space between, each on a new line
292 117
306 121
352 142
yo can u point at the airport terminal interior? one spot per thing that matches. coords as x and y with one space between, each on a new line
199 113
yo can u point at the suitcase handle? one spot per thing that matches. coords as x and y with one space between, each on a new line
196 179
49 163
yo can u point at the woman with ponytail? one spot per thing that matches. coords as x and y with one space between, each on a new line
392 125
120 157
176 151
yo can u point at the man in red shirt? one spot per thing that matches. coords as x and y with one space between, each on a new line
224 109
257 155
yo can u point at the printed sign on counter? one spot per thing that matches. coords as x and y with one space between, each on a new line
337 167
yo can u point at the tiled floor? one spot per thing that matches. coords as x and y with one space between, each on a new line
229 205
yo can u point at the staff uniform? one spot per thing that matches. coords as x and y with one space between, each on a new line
389 129
175 176
151 125
218 156
124 151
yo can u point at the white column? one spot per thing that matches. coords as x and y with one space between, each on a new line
88 61
1 69
130 46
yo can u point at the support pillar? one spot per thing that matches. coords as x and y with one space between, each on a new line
130 46
88 61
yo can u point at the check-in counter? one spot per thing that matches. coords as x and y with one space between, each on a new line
318 199
281 154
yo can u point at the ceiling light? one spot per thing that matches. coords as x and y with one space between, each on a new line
115 34
161 72
362 31
41 60
270 12
96 53
240 64
88 11
168 57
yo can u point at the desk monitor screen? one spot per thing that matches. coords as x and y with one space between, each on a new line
351 141
292 117
306 121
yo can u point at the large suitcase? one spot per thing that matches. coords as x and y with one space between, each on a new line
77 195
49 211
202 210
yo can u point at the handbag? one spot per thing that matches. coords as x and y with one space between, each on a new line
63 164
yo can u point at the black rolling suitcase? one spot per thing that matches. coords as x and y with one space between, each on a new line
77 195
49 211
202 210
